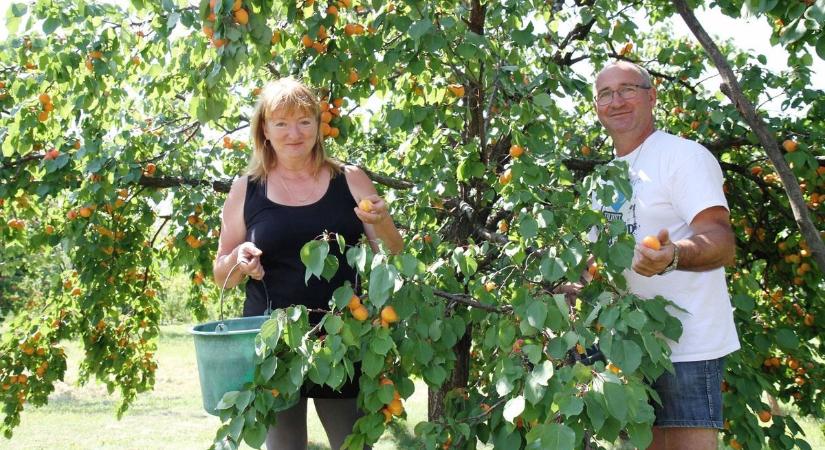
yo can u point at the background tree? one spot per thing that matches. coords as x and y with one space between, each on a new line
121 129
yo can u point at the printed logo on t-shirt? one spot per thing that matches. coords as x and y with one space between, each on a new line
623 209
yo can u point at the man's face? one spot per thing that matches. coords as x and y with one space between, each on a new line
623 116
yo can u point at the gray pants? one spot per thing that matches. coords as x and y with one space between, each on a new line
290 432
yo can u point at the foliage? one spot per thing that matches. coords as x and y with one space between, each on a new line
118 166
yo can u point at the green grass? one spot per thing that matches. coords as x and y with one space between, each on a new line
171 417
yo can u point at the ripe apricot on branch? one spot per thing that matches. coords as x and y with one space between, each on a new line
360 313
389 315
790 145
516 151
395 407
241 16
652 242
456 89
505 177
354 302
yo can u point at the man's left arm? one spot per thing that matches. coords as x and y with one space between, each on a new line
712 245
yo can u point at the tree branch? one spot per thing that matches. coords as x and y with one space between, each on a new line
731 88
469 301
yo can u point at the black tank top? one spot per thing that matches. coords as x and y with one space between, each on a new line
280 231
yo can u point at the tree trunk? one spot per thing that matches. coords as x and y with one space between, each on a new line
459 377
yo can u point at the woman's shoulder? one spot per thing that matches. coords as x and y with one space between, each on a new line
354 174
239 186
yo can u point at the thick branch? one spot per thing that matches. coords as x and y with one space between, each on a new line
766 137
469 301
223 186
168 182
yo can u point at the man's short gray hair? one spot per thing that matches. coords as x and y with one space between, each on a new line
646 80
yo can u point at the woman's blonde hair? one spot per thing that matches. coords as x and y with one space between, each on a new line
290 95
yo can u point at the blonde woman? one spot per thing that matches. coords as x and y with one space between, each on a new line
291 194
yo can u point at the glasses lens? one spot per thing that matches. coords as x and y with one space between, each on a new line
604 97
627 92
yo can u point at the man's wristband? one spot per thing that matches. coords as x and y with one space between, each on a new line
673 264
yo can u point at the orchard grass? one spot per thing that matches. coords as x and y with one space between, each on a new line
171 416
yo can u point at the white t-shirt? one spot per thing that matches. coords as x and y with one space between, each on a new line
673 180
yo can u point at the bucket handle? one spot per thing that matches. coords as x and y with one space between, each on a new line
221 326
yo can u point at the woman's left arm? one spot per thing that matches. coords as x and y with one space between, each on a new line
378 224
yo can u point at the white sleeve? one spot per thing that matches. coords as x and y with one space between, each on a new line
696 184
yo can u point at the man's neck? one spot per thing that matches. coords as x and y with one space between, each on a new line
625 144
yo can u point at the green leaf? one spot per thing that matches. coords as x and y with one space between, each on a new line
435 375
228 400
342 295
744 302
330 267
271 332
621 254
255 435
537 314
395 118
381 344
236 427
554 435
820 46
641 434
420 28
543 100
616 400
333 324
528 227
423 354
18 9
336 376
787 339
537 381
373 364
635 319
244 397
793 31
552 269
627 355
313 255
464 262
513 408
50 24
382 282
342 244
569 405
595 409
268 368
524 37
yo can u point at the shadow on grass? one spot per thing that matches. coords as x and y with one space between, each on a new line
397 436
401 437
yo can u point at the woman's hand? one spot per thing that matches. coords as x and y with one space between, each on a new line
249 260
372 209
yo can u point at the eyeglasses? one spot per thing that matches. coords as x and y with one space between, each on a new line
626 92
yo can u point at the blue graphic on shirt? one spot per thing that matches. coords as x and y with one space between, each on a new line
623 210
619 202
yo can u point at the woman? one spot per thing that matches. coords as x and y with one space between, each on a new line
292 193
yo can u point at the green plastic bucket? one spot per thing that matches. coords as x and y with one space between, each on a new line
226 356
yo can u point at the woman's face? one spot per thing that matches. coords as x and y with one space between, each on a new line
291 133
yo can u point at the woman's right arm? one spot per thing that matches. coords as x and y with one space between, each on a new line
232 246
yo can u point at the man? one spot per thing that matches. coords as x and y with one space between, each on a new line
677 196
